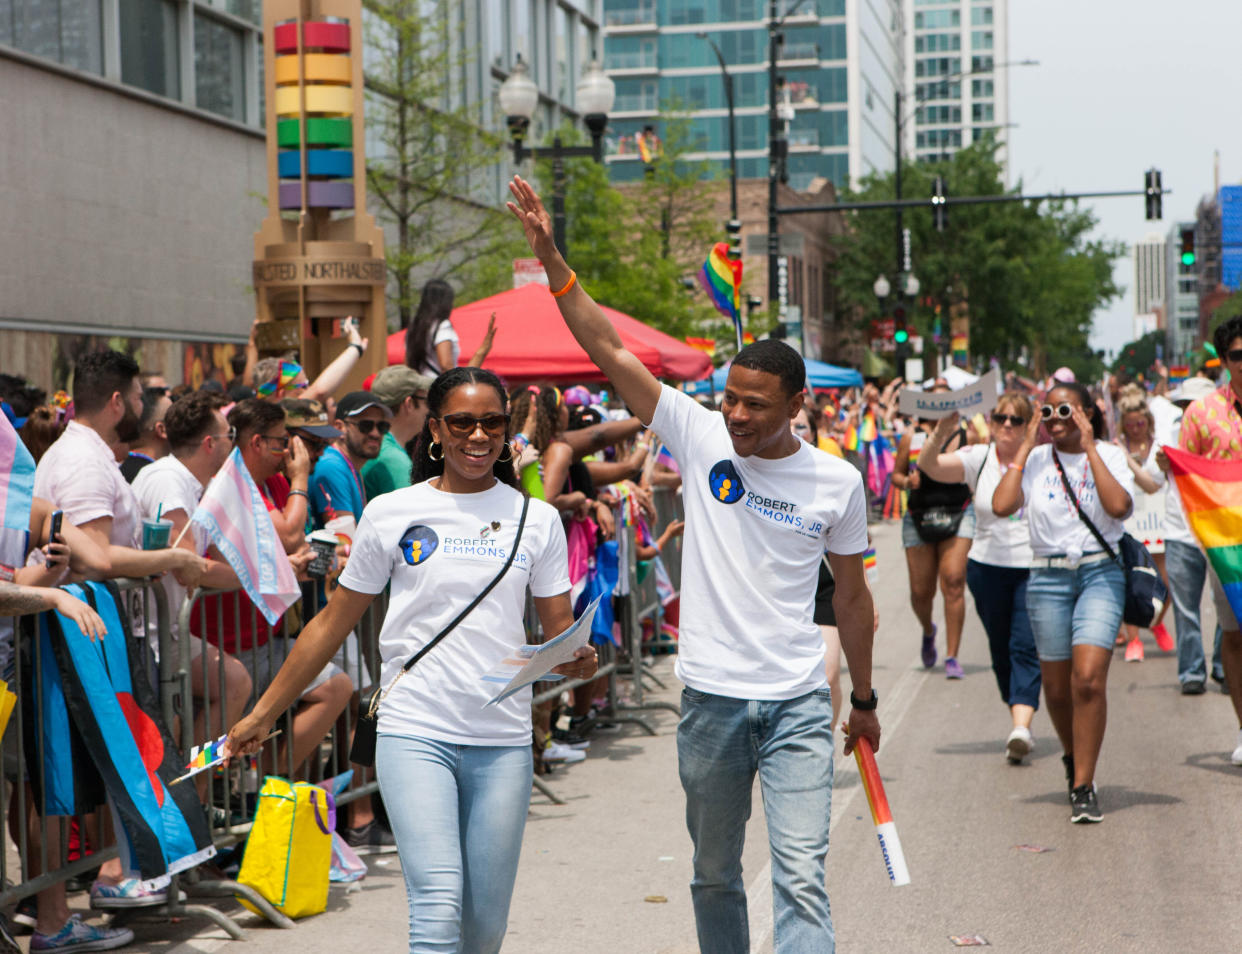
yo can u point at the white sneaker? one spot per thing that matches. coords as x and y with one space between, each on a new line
1236 758
559 752
1019 744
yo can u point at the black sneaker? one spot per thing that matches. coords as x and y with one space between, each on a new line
1084 806
1193 687
1068 762
371 839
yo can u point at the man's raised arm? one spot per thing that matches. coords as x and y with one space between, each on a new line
637 386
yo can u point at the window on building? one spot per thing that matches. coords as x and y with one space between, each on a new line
982 89
926 92
981 64
981 40
149 46
981 16
938 66
833 85
680 12
982 112
937 19
64 31
219 76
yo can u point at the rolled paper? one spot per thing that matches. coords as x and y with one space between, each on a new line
881 815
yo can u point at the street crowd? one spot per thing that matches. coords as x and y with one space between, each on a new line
460 497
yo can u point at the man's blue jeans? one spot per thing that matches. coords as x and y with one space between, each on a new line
721 744
1187 569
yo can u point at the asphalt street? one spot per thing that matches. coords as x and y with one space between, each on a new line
990 847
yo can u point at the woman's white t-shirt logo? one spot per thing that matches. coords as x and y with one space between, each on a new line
418 543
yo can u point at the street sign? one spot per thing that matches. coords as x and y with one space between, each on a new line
528 271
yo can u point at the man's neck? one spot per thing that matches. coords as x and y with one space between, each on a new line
199 466
154 450
403 431
96 423
357 462
1235 390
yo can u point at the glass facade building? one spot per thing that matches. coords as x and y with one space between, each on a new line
839 62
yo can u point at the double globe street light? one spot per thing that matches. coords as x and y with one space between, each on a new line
594 98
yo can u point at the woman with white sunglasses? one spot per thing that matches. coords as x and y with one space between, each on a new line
1076 592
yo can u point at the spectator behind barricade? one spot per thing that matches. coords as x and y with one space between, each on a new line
431 343
336 488
200 440
41 429
555 477
404 392
152 442
268 378
237 364
231 622
18 398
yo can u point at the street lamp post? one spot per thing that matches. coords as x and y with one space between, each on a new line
728 91
594 98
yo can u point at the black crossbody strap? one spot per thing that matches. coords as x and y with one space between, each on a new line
409 663
1077 506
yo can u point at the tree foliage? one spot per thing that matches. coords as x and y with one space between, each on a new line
1137 357
1029 274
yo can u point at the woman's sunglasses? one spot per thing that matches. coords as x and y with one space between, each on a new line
1063 411
366 427
463 425
1013 420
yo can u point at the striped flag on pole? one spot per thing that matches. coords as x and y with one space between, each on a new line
235 518
17 470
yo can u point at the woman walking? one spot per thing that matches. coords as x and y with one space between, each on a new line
999 561
936 533
1076 592
439 544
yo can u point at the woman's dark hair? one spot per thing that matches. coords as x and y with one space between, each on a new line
775 357
424 468
1225 332
1087 402
435 305
547 412
40 431
811 415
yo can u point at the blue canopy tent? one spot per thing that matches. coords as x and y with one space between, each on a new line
819 374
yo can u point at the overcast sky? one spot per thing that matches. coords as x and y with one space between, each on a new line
1124 85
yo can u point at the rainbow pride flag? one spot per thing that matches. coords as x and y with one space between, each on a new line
201 756
721 278
706 345
1211 492
288 373
870 567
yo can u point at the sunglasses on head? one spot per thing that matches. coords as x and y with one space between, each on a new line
463 425
1063 411
366 427
1014 420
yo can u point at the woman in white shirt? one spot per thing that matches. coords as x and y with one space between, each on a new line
1076 592
455 772
431 344
1000 559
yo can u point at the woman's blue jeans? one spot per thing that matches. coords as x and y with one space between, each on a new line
1000 599
721 744
457 814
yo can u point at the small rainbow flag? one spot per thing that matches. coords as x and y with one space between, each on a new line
706 345
1211 492
870 431
288 373
648 146
747 338
851 438
202 756
870 567
721 278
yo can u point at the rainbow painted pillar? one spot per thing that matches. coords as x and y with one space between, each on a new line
319 256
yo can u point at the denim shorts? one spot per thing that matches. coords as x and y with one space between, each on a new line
910 536
1078 607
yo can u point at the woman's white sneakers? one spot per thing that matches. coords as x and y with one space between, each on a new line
1019 745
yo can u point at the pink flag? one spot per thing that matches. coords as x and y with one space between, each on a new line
236 519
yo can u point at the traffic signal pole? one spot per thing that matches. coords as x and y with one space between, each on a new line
931 203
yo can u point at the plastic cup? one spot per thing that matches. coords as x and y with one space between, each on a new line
324 545
155 534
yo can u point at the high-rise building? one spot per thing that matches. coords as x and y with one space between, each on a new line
954 53
1181 290
1149 275
838 68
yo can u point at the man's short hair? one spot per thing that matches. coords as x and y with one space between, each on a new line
150 407
253 416
1225 332
775 357
99 375
191 419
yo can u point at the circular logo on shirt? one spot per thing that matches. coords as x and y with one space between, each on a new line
418 543
726 485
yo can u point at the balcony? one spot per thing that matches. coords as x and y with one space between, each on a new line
803 139
637 103
793 11
643 60
640 18
799 52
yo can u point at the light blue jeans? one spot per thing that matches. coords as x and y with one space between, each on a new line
721 744
1078 607
457 814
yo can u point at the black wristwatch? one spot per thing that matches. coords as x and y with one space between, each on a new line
864 705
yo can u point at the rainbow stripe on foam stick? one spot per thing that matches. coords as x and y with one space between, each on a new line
885 829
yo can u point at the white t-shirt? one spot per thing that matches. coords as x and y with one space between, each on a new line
444 332
999 541
755 532
1175 527
1055 526
80 476
162 488
1146 523
439 550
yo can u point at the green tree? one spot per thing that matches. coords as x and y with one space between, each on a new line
1137 357
431 162
1029 275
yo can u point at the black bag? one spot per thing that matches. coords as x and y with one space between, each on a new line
1145 590
362 752
941 517
935 524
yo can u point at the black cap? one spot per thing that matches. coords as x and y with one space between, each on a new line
355 402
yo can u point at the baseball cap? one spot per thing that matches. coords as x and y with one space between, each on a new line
309 416
355 402
1192 389
394 384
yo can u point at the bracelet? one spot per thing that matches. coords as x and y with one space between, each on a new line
573 277
299 493
361 350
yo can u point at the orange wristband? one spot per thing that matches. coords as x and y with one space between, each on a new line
573 277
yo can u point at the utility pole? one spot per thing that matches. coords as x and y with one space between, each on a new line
775 142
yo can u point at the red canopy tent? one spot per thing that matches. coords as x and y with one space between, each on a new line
533 344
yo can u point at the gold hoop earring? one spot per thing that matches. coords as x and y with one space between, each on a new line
508 452
432 446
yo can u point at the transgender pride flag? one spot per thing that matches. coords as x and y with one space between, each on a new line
235 518
17 470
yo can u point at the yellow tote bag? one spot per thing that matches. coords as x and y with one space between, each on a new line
7 701
289 851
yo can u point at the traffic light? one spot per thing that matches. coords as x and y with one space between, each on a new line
1154 193
1188 247
940 208
734 228
901 336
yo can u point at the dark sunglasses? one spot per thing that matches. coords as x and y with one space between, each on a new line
463 425
366 427
1013 420
1234 354
281 442
1063 411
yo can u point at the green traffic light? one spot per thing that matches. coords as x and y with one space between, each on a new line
901 336
1188 258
